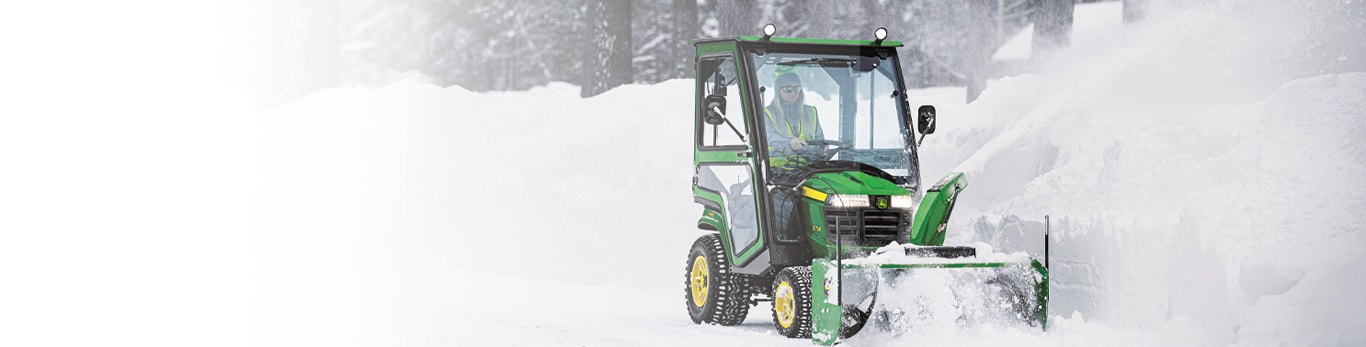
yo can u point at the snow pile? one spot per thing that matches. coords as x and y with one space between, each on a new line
1202 216
452 215
1190 177
913 304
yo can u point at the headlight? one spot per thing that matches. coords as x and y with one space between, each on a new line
903 202
847 200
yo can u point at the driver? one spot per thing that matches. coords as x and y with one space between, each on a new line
791 123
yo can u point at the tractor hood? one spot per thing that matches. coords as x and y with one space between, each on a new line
844 177
853 182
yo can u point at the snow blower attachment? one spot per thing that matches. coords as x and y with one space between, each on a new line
810 189
976 285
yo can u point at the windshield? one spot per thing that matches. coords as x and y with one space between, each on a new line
854 99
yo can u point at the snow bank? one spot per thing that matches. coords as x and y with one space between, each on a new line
418 205
1198 178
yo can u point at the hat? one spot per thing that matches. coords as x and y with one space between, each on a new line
787 78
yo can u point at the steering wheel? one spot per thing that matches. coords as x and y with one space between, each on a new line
820 150
823 143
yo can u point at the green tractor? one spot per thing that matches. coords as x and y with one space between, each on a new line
811 189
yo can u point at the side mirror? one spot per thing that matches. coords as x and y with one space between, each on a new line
926 119
714 109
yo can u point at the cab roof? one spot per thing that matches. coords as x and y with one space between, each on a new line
796 40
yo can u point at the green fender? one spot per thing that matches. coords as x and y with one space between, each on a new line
712 205
932 217
711 220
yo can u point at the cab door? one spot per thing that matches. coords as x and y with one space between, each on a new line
725 166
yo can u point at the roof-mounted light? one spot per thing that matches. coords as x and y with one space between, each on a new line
879 34
769 30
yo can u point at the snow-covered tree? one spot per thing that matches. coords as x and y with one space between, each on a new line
517 44
609 53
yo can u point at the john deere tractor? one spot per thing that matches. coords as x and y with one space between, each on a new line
806 168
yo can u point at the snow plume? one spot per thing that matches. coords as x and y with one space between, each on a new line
1203 172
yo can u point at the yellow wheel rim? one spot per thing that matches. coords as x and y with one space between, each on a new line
784 305
699 281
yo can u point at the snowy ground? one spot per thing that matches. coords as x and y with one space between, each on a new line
1205 188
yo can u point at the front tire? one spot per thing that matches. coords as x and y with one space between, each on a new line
714 294
792 302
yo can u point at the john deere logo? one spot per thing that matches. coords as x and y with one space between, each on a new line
882 203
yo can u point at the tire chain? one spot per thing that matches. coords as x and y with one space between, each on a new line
730 292
801 278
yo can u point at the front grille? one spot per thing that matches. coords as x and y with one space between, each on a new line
863 226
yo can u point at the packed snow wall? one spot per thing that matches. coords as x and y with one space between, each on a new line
1203 172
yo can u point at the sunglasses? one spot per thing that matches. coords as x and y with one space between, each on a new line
790 89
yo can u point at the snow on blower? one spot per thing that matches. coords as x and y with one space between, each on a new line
811 189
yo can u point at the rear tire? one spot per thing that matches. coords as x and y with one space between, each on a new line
714 294
792 302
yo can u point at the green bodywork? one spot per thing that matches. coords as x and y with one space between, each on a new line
712 218
927 228
847 183
854 182
932 218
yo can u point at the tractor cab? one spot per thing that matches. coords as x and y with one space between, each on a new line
840 108
780 120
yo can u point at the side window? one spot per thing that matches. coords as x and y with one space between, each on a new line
735 184
720 81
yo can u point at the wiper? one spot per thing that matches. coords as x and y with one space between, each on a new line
821 62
